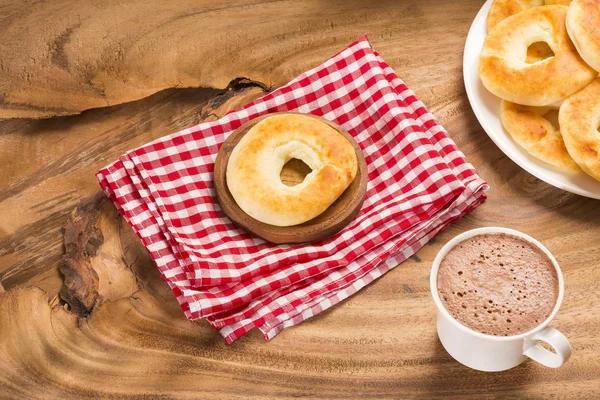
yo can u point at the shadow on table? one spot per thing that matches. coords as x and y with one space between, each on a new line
450 378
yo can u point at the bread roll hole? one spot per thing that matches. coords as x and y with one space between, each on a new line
538 51
293 172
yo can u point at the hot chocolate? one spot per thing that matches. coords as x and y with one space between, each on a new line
498 284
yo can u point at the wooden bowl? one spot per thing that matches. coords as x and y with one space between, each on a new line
331 221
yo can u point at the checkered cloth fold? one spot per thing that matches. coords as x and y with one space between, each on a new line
419 183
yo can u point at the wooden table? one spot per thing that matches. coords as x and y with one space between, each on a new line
108 327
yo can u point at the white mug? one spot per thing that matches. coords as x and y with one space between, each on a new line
498 353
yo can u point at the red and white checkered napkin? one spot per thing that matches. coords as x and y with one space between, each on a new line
419 183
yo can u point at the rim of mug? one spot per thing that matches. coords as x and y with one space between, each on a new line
491 230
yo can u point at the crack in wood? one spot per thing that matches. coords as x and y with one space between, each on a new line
235 87
94 267
81 239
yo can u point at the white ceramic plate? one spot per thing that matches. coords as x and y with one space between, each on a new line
487 110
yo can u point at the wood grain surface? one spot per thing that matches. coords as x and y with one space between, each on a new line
83 313
332 220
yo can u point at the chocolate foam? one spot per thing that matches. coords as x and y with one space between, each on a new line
498 284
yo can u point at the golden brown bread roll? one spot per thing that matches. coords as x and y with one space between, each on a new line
503 68
502 9
579 118
256 161
583 25
531 130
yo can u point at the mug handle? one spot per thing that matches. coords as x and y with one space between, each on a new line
556 340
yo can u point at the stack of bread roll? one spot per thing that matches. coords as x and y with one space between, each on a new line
542 58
